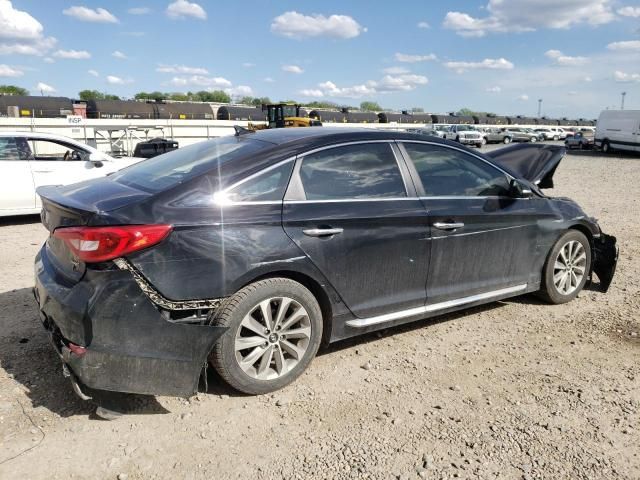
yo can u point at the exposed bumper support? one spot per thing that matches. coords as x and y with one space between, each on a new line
606 259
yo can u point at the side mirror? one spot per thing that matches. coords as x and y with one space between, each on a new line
518 190
96 159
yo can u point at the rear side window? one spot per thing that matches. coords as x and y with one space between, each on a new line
352 172
267 186
14 149
448 172
170 169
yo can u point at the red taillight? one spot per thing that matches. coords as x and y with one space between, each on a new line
99 244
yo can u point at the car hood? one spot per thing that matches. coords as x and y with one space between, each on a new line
535 163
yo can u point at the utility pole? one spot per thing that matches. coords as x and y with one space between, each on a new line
539 107
622 101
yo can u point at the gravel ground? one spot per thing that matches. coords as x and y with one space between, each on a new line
514 389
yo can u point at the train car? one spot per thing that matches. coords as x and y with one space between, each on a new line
393 117
548 121
37 107
234 112
362 117
448 119
565 122
417 117
184 111
330 116
121 109
522 120
490 120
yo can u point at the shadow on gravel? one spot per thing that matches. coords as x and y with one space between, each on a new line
599 154
19 220
28 357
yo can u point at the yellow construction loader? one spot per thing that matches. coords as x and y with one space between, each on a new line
284 115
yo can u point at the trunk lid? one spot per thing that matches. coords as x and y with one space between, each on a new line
84 203
534 162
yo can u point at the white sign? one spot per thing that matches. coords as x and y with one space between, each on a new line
75 119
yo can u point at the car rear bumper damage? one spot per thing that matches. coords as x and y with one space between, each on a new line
110 336
606 260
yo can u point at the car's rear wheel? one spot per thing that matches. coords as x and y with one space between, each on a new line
567 268
506 140
534 139
555 138
275 328
606 148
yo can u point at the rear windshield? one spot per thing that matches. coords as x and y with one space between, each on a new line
165 171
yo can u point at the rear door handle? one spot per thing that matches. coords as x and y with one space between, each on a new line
448 225
322 232
43 171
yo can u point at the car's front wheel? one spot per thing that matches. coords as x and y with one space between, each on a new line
567 268
506 140
534 139
274 331
555 138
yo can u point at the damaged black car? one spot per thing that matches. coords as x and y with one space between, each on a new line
249 252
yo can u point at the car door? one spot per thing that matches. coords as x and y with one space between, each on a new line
482 239
352 209
59 163
17 192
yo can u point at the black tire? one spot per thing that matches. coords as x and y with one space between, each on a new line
506 140
548 290
555 138
231 314
533 139
606 148
458 139
479 145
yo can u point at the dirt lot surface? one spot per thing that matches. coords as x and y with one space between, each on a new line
515 389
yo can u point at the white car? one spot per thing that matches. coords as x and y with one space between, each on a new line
29 160
466 134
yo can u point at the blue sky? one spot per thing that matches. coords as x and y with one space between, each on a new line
494 55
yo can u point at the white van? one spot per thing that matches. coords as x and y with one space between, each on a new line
619 130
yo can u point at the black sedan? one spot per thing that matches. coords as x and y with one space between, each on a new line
248 252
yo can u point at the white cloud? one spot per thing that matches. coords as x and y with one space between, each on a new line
403 57
201 81
561 59
423 25
529 15
119 54
85 14
44 88
524 97
396 70
49 60
587 79
388 84
133 34
248 65
292 69
296 25
632 45
268 80
623 77
114 80
139 11
181 69
495 89
633 12
486 64
93 73
72 54
20 33
311 92
7 71
239 91
183 9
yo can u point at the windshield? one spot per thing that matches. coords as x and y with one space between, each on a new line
463 128
170 169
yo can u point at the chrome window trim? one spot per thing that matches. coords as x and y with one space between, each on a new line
434 307
349 200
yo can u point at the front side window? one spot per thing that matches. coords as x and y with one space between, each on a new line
268 186
352 172
14 149
56 151
448 172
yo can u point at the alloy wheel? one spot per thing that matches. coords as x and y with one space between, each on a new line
272 338
569 268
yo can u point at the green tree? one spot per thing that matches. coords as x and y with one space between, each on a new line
370 106
218 96
178 96
96 95
13 90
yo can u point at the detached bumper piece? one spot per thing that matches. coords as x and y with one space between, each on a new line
110 336
606 260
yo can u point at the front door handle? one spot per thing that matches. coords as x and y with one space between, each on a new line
448 225
322 232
